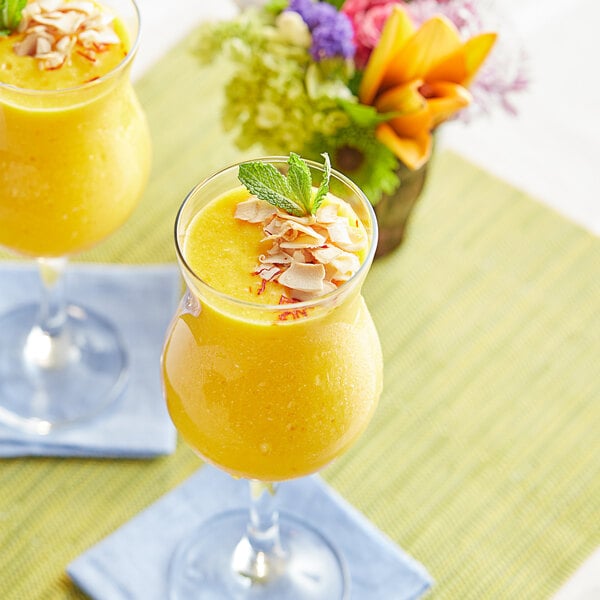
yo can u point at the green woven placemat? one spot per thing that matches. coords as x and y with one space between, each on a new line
483 460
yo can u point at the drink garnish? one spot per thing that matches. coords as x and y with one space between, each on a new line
55 29
314 247
10 15
293 193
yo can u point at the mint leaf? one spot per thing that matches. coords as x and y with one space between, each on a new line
324 187
267 183
292 193
300 181
10 14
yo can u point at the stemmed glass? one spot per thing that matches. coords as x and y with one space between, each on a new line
73 165
267 393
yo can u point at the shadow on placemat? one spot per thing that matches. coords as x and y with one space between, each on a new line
483 460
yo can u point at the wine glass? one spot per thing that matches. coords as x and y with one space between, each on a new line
73 164
267 393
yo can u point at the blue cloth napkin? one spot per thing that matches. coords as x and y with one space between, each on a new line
140 302
132 563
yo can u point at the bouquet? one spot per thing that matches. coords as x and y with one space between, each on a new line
367 81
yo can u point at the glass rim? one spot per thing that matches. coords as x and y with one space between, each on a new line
88 84
314 302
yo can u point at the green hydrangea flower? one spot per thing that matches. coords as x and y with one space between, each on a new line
280 100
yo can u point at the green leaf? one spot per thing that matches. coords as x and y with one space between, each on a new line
267 183
364 115
299 180
324 187
291 193
10 14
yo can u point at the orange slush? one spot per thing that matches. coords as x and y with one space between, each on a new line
74 158
273 398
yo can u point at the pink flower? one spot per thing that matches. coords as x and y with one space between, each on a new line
368 18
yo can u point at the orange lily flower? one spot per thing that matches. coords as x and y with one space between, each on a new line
422 77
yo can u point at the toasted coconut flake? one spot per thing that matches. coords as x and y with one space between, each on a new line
42 46
303 242
328 287
45 5
293 234
96 37
56 28
27 46
280 258
309 255
327 213
303 277
65 44
268 273
254 210
338 231
65 23
301 256
52 60
305 231
358 241
303 220
325 254
344 266
87 8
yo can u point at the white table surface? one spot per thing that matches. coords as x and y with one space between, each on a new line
551 149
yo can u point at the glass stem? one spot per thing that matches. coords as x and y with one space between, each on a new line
47 344
53 308
259 556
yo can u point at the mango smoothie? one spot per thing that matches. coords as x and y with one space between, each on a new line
74 143
257 383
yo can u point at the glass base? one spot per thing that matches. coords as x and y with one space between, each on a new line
310 568
48 382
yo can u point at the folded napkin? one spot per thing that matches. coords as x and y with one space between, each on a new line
139 301
133 562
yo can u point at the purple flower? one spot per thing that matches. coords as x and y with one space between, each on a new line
313 13
334 40
332 33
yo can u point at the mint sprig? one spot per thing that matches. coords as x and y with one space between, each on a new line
324 187
300 181
291 193
10 15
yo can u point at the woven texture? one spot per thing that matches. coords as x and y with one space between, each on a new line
483 459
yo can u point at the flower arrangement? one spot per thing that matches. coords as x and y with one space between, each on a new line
367 81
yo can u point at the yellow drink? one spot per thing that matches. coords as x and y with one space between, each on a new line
264 391
74 149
